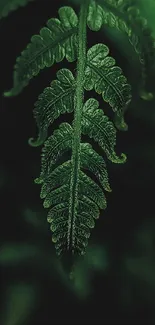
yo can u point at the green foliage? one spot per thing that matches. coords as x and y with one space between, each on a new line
21 298
56 41
97 126
56 181
11 254
6 6
59 94
143 266
74 199
127 18
95 260
107 79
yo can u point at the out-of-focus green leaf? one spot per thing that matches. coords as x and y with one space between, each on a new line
13 254
94 260
20 301
148 10
143 266
36 219
6 6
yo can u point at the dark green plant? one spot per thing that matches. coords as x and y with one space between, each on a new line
73 197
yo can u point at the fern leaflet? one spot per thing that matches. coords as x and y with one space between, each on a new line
56 41
55 100
108 80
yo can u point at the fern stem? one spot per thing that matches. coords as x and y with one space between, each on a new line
78 105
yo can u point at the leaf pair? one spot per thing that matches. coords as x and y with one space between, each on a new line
101 74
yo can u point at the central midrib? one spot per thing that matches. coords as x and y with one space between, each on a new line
78 106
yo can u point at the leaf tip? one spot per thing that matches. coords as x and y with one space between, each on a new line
38 142
12 92
38 180
120 123
123 158
46 204
108 188
118 160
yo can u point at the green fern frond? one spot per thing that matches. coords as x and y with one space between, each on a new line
74 198
56 192
101 74
55 179
108 80
6 6
55 42
55 100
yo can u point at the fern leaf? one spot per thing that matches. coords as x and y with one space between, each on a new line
92 161
56 179
56 192
60 176
89 188
55 100
56 41
55 182
6 6
57 144
95 16
108 80
97 126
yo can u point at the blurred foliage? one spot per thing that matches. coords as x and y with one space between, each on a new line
20 301
84 268
148 8
6 6
143 266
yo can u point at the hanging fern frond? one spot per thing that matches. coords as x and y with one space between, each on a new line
108 80
74 198
72 234
126 17
55 42
55 100
6 6
72 216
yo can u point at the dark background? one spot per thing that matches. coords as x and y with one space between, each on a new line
119 270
